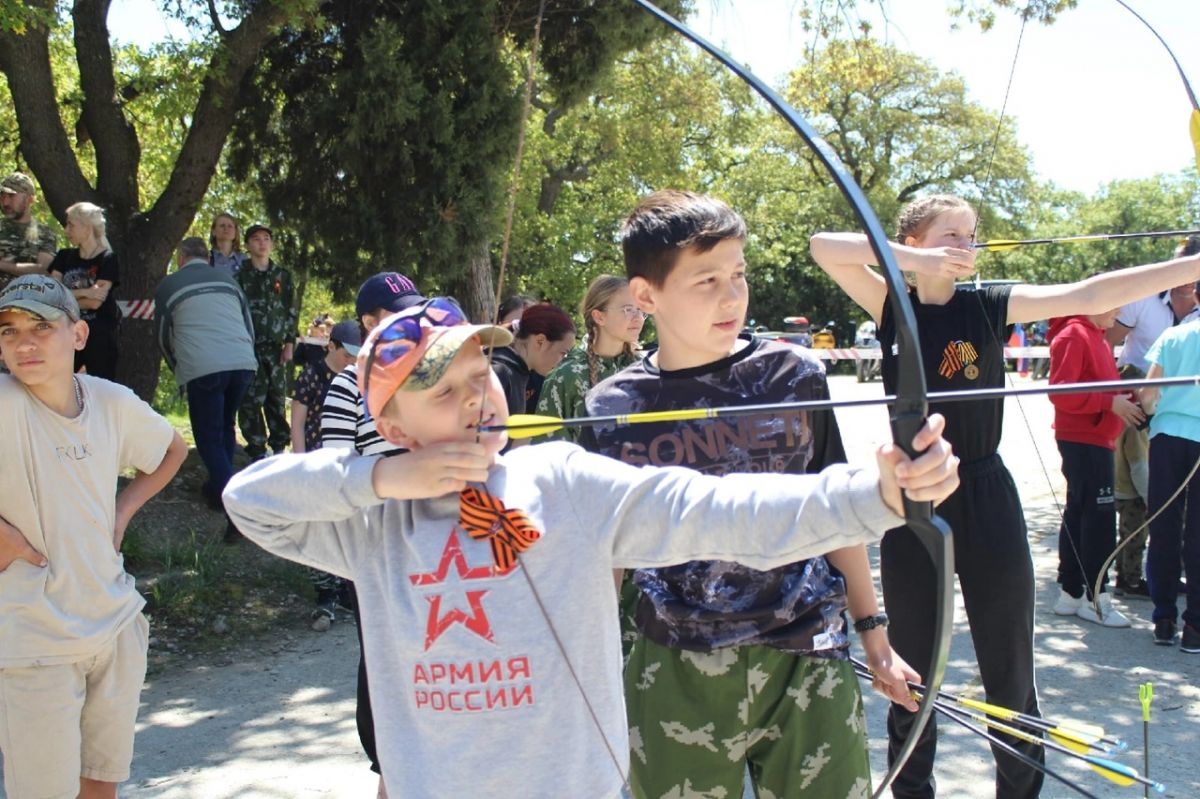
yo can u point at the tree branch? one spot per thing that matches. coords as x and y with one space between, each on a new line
117 149
215 17
25 62
232 59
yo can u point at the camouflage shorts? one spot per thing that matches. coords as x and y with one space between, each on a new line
698 721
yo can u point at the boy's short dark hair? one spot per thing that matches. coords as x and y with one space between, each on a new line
668 222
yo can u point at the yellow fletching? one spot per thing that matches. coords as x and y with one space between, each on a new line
1195 128
1112 775
1001 245
991 710
541 425
1072 740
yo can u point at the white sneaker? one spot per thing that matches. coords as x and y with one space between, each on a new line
1067 605
1109 616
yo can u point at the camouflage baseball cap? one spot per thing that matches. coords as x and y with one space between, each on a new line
41 296
16 183
412 349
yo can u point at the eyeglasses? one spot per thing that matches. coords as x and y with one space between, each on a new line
403 334
633 312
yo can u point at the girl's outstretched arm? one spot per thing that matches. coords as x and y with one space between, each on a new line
1101 293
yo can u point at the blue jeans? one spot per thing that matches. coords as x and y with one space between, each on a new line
1176 528
213 401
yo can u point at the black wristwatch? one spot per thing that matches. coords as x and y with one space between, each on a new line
871 622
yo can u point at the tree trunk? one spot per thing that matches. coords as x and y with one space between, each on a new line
475 290
143 262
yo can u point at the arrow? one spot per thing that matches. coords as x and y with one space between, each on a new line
1145 696
527 425
1111 770
1077 735
1004 245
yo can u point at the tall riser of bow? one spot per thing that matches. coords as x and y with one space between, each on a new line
910 407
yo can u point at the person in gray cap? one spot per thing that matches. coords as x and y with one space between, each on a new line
26 246
72 635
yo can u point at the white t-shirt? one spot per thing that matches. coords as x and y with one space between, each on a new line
1147 318
58 487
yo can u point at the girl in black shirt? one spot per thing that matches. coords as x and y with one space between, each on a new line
90 270
960 336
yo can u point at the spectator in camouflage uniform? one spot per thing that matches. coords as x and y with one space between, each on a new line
613 324
271 293
26 246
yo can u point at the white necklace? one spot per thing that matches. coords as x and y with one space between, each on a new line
78 392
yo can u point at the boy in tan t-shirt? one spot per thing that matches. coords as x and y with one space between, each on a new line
72 637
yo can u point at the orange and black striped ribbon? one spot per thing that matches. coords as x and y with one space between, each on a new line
509 531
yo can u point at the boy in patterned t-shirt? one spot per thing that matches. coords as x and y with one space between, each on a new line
750 664
313 383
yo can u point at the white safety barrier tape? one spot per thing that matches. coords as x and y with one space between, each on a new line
136 309
875 353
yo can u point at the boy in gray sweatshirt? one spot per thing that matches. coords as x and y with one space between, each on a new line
485 581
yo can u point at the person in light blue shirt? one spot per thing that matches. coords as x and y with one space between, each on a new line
1174 454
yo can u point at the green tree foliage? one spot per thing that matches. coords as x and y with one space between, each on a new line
666 117
670 117
385 139
88 140
1163 202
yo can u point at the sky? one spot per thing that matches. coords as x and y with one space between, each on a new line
1095 96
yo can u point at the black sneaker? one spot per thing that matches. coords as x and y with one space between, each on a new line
1191 640
1164 632
1131 588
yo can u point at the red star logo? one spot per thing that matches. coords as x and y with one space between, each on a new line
477 621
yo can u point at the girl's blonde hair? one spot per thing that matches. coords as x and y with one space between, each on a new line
599 292
92 216
916 217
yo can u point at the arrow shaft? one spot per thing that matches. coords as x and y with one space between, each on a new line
1036 722
1004 244
688 414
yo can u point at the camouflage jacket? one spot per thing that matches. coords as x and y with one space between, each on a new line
565 388
23 243
271 294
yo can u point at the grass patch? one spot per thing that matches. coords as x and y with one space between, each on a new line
191 579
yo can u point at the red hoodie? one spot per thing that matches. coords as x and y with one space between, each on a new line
1079 354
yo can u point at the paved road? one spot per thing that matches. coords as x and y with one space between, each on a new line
280 723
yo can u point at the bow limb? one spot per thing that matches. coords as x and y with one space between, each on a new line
910 408
1194 122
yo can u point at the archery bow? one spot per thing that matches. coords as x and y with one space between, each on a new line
910 407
